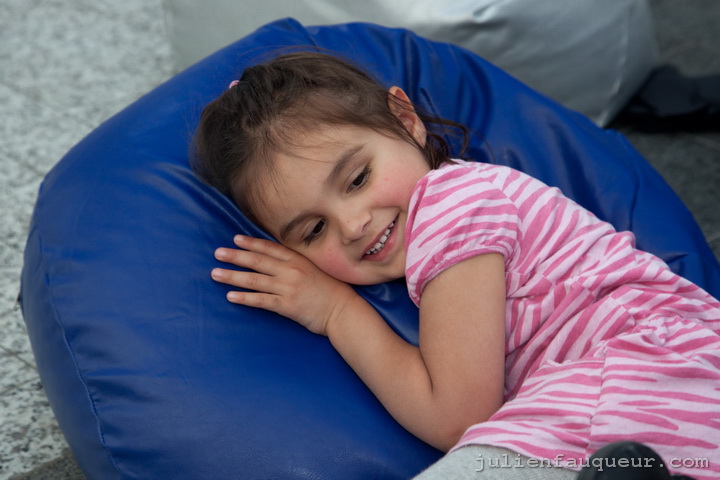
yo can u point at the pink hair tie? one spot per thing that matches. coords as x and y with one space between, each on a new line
233 83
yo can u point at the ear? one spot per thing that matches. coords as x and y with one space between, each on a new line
401 106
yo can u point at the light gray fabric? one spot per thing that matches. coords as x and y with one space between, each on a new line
590 55
481 462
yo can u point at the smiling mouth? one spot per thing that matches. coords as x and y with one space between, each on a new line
377 248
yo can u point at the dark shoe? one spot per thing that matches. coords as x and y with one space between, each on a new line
626 461
671 102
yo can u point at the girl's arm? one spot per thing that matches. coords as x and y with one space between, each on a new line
453 380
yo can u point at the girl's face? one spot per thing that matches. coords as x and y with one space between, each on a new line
341 199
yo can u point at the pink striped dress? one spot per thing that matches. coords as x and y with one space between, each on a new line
603 341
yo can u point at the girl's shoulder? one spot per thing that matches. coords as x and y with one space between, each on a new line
466 174
469 167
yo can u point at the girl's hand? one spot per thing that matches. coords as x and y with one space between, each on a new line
282 281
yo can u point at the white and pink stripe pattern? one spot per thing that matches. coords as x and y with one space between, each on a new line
603 342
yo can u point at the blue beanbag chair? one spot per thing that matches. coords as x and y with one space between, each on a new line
152 374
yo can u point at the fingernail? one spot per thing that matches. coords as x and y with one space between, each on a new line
216 274
221 253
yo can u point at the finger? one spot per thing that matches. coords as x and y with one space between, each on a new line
266 247
254 299
246 259
249 280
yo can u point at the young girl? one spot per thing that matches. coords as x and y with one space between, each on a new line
544 334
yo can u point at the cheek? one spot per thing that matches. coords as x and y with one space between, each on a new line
396 191
335 264
398 182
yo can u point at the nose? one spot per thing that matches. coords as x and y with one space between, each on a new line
354 225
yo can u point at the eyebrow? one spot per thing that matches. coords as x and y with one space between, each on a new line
342 162
290 226
340 165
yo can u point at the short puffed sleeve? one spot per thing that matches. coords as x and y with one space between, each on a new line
457 212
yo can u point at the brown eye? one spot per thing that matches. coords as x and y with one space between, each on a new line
360 180
318 227
315 232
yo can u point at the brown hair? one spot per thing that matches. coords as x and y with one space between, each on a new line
274 102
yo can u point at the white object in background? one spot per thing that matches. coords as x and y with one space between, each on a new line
589 55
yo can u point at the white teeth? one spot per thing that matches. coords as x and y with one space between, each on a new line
381 243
